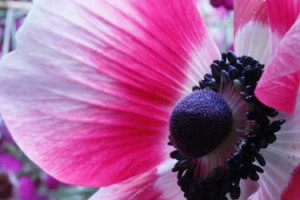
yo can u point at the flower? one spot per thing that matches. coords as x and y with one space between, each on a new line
90 88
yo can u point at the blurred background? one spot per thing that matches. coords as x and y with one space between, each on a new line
20 179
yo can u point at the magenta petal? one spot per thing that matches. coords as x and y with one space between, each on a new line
88 92
26 188
252 29
249 11
292 191
279 84
10 163
280 93
157 184
282 15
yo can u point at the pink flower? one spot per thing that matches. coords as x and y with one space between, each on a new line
89 91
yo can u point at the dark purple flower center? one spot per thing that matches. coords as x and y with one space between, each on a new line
200 122
219 129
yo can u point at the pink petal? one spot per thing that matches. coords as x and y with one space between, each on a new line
88 92
256 11
156 184
282 15
282 159
251 29
248 188
279 84
292 192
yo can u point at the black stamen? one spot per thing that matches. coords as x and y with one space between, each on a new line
243 72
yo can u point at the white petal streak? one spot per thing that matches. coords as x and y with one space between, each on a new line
282 157
254 40
203 56
156 184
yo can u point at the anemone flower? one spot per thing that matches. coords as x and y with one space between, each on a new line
96 89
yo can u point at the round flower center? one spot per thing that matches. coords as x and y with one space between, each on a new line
200 122
219 129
